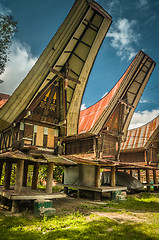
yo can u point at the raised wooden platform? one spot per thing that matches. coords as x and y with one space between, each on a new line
96 191
29 194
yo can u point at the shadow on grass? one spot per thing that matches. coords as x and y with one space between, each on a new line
103 228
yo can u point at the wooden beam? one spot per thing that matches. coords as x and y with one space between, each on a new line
97 176
113 176
19 176
64 76
35 176
131 172
50 169
154 176
8 170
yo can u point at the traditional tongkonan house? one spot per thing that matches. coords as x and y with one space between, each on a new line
45 107
102 127
142 148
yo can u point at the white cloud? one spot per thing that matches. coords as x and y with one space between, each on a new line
141 118
21 61
123 36
142 3
4 10
83 106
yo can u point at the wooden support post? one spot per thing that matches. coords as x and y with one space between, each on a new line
19 176
131 172
25 174
148 179
138 171
97 176
15 206
50 169
1 169
8 170
155 179
113 176
35 176
66 190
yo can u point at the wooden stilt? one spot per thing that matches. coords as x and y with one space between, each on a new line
148 179
25 174
19 176
66 190
50 169
1 169
15 206
8 170
97 176
113 176
35 176
154 179
138 171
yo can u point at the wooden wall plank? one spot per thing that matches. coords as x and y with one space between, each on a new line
39 136
50 141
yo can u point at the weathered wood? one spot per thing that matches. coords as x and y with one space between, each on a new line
139 177
1 169
97 176
66 190
15 206
148 179
35 176
8 170
25 174
97 196
154 177
50 169
113 176
19 176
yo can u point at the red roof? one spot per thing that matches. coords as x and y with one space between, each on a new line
3 99
90 115
138 137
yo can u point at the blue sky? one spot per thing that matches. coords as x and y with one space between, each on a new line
135 26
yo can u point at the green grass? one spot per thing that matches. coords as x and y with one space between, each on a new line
90 225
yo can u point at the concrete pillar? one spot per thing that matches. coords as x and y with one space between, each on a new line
25 174
97 176
1 169
19 176
50 169
8 171
138 171
35 176
113 176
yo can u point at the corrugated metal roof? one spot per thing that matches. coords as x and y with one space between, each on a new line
89 116
127 90
139 137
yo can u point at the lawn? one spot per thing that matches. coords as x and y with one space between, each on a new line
135 218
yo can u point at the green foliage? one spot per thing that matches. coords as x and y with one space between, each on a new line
7 29
58 173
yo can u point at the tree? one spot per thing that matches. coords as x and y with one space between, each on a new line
7 29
